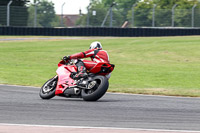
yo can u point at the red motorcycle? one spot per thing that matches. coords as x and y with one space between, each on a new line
91 88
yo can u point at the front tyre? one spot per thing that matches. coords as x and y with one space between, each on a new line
96 89
47 91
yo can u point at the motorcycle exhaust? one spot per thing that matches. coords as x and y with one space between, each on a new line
72 91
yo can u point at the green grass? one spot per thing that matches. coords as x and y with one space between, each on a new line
159 65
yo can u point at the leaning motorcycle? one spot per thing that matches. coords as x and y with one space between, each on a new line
91 88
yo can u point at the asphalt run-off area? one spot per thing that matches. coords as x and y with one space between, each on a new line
22 110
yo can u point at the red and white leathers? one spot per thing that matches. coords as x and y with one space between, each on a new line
97 55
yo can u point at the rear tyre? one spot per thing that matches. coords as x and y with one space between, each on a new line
98 88
47 91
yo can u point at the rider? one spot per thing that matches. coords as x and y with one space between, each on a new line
97 55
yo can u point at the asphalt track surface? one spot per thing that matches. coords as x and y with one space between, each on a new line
22 105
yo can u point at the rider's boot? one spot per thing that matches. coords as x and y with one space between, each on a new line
81 73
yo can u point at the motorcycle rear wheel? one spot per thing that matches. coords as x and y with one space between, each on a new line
47 91
97 91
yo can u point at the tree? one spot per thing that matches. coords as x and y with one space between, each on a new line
143 12
95 19
46 16
197 16
123 6
163 12
18 12
102 8
14 2
183 11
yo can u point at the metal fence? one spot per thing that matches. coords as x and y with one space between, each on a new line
13 16
101 17
166 18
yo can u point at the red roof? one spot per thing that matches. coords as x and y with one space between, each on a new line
69 20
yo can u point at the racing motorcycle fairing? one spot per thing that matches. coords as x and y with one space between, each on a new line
64 79
102 68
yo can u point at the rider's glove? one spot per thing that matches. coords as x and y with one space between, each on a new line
66 58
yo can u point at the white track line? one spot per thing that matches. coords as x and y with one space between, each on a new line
114 128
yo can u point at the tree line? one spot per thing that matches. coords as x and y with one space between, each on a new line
122 10
143 12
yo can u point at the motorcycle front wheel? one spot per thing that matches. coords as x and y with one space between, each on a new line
47 91
96 89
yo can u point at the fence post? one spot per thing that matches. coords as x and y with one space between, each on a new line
173 8
102 25
153 17
193 15
133 21
88 15
35 17
111 13
61 23
8 13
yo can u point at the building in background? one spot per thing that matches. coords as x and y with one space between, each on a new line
69 20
